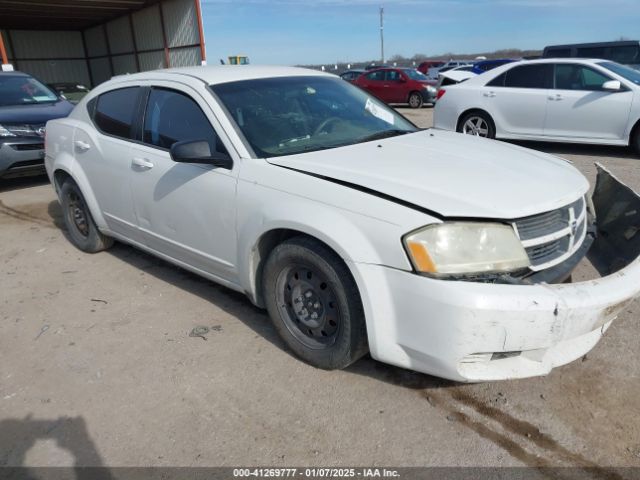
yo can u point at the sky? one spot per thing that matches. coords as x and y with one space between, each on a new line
293 32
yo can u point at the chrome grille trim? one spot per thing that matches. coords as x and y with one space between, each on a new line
551 237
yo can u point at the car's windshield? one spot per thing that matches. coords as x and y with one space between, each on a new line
285 116
626 72
415 75
23 90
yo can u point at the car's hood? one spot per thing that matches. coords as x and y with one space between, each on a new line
34 114
451 174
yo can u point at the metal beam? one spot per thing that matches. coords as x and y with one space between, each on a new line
135 45
167 59
203 53
86 58
3 52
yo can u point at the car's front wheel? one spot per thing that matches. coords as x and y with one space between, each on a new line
478 124
415 100
81 228
314 303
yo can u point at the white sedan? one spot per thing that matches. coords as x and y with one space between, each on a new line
556 100
357 231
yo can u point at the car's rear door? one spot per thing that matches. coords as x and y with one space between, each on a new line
580 108
373 82
103 152
517 99
186 211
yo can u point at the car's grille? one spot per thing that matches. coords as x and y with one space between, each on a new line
28 146
36 130
551 237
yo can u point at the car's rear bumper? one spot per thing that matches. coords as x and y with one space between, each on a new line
472 331
20 157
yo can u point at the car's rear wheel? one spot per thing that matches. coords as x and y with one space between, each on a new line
415 100
314 303
81 228
478 124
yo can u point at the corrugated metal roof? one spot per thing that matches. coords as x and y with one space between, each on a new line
64 14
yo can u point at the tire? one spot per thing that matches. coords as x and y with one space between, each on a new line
314 303
81 228
415 100
477 123
635 139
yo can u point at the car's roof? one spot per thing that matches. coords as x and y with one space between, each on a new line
14 73
225 73
564 60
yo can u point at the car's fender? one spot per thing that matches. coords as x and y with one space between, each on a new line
60 157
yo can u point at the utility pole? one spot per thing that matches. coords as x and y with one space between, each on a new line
382 34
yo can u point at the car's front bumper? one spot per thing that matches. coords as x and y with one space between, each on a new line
472 331
21 156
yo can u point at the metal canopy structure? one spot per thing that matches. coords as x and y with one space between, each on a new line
64 14
89 41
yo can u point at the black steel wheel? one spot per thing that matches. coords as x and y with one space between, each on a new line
81 228
314 303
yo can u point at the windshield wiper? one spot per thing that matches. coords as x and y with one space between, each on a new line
384 134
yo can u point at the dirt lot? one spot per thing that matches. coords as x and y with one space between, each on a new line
97 368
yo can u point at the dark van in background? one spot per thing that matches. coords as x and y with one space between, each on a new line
626 52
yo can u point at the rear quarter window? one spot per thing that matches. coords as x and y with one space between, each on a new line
114 111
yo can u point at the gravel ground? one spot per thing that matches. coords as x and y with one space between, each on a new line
97 368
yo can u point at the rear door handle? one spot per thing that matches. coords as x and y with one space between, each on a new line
490 94
141 163
556 97
81 146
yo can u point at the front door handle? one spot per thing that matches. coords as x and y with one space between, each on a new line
556 97
490 94
141 163
81 146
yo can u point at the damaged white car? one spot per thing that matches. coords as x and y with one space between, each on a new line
434 251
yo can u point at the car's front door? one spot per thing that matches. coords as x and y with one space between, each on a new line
395 86
580 108
185 211
517 99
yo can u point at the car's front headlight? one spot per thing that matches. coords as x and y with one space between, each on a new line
459 248
5 133
430 89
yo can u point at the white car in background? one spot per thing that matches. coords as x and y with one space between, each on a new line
433 72
455 76
558 100
356 230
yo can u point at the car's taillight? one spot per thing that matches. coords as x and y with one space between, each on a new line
441 93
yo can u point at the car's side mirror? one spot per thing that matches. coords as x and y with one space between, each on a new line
198 151
402 80
612 86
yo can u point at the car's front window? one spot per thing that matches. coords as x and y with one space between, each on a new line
626 72
23 90
285 116
415 75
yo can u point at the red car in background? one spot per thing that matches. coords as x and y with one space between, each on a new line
398 85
